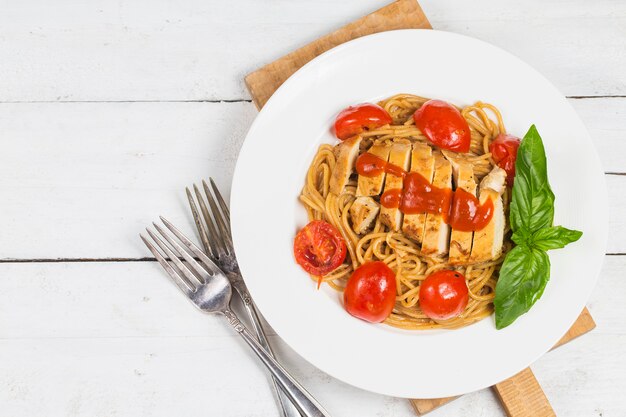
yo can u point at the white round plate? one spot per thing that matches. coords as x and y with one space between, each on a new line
266 213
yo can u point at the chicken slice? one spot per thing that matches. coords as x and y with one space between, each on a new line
345 153
436 231
460 241
422 162
371 186
488 241
399 155
363 212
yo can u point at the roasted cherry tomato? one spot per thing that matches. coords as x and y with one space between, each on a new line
371 292
319 248
355 119
443 125
443 295
504 151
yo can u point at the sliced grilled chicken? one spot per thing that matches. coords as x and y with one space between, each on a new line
346 153
436 231
399 155
461 242
422 162
363 212
488 241
371 186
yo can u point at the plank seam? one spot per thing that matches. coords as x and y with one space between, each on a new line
70 260
145 259
598 96
230 100
238 100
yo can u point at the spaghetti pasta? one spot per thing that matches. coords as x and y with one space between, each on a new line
399 252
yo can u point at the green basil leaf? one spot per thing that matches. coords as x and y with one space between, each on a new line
522 237
523 277
555 237
526 269
532 203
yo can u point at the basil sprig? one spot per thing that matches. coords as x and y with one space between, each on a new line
526 269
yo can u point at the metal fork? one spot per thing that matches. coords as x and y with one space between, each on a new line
216 238
210 290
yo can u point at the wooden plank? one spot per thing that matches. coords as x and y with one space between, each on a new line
584 323
200 50
425 406
535 38
605 118
401 14
132 318
617 206
522 396
102 172
118 339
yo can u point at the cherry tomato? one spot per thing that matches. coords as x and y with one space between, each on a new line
504 151
319 248
443 125
371 292
443 295
355 119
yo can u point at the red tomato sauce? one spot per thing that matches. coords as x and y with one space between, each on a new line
460 209
466 213
391 198
420 196
369 165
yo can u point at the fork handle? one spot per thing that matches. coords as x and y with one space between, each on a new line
304 402
286 407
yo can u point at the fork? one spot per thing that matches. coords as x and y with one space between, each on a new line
215 235
209 289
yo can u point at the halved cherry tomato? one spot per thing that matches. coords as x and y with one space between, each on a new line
504 151
443 125
443 295
355 119
371 292
319 248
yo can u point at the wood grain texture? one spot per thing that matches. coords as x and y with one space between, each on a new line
107 169
584 323
124 342
425 406
201 49
402 14
522 396
124 163
79 180
117 339
605 118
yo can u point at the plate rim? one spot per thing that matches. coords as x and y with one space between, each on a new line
294 78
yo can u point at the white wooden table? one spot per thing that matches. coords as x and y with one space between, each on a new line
108 109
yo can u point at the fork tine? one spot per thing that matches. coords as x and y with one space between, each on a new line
209 264
173 258
201 228
219 219
203 273
181 283
216 243
221 202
